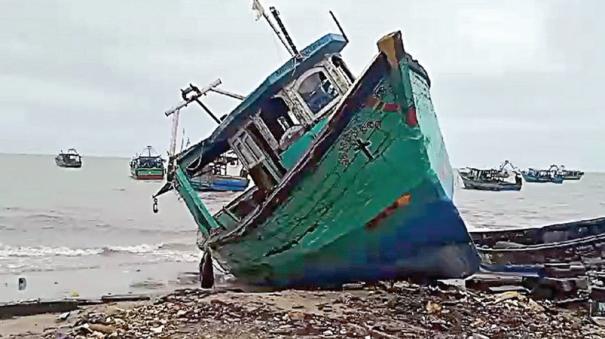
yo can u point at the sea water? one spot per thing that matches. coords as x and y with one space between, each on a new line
90 231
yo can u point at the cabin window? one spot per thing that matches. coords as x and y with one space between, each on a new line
248 150
317 91
276 116
342 67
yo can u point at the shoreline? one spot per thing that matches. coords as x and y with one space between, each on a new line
94 282
379 311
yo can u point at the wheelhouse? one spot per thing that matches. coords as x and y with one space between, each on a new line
273 127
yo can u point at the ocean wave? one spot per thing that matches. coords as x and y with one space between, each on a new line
135 249
18 268
44 217
43 251
175 250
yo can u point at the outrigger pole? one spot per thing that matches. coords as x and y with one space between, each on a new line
198 93
193 94
189 95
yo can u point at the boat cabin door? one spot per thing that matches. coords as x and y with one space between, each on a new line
258 157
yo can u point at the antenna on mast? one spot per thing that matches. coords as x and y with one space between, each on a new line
260 12
344 35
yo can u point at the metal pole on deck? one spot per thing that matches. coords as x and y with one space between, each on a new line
283 29
256 6
342 31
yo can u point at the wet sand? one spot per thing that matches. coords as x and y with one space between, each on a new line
92 283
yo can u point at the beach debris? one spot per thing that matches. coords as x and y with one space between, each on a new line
105 329
509 295
157 330
403 311
124 298
353 286
432 307
63 316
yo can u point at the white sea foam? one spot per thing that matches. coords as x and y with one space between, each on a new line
7 251
44 251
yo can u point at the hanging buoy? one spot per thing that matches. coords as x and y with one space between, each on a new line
155 205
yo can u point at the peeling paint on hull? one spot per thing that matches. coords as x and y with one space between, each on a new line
428 242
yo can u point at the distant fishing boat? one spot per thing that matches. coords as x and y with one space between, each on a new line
570 174
216 177
147 166
489 180
69 159
550 175
352 180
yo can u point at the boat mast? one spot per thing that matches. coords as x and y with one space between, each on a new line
258 8
293 48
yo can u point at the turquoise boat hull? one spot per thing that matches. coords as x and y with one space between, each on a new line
370 199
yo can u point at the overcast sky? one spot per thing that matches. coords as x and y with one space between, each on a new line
519 80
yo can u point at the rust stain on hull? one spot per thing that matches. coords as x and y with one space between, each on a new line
402 201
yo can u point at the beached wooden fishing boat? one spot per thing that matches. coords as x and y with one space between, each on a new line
352 180
529 249
216 176
147 166
69 159
489 180
542 176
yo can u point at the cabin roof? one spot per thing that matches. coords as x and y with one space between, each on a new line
216 144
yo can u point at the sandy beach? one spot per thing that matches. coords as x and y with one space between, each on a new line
380 311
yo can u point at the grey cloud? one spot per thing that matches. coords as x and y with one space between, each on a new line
515 79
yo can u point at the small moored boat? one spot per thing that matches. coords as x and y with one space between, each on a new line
352 180
69 159
489 180
147 166
570 174
218 176
550 175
